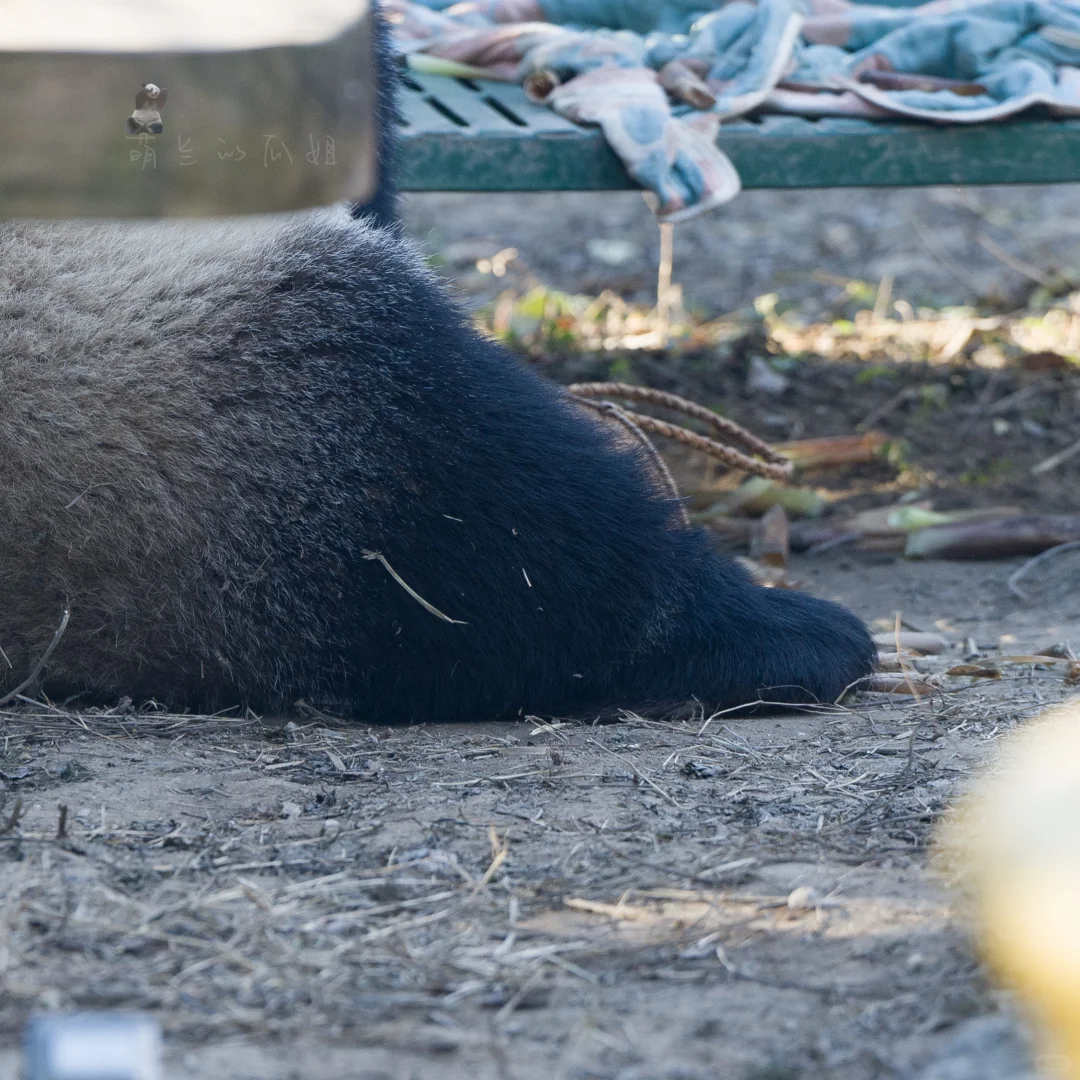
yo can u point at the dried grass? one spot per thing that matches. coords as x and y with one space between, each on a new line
874 327
296 916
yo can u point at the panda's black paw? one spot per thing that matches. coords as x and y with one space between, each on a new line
810 650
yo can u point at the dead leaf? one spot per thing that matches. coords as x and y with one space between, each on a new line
908 685
975 671
1044 361
769 539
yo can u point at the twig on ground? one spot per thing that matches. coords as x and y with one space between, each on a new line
909 393
13 819
638 773
1054 460
1014 579
1010 401
665 295
1007 258
8 698
500 848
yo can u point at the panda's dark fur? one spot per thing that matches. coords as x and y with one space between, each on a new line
381 207
208 429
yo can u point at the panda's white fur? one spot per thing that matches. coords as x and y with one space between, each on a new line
126 487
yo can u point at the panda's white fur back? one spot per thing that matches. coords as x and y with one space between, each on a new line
114 340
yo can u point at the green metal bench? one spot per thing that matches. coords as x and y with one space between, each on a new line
465 135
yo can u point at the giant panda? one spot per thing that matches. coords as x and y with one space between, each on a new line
264 460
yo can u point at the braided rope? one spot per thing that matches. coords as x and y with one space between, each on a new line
730 456
775 465
633 425
728 428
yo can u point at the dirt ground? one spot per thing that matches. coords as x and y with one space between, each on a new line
940 245
716 897
709 898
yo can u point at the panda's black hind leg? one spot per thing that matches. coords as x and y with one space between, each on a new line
738 644
572 581
801 650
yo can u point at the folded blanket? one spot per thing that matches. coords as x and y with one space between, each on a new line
675 160
658 76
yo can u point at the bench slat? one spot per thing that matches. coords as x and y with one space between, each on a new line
418 114
494 153
478 117
537 117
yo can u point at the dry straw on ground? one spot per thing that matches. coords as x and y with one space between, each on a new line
483 883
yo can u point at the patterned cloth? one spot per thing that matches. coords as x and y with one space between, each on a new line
672 158
658 76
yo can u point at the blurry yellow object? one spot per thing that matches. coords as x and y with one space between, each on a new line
1017 839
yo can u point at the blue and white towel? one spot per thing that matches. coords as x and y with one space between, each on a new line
658 77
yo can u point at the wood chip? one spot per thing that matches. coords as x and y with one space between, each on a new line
907 685
975 671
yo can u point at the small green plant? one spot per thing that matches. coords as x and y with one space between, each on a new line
992 473
896 452
873 373
862 293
